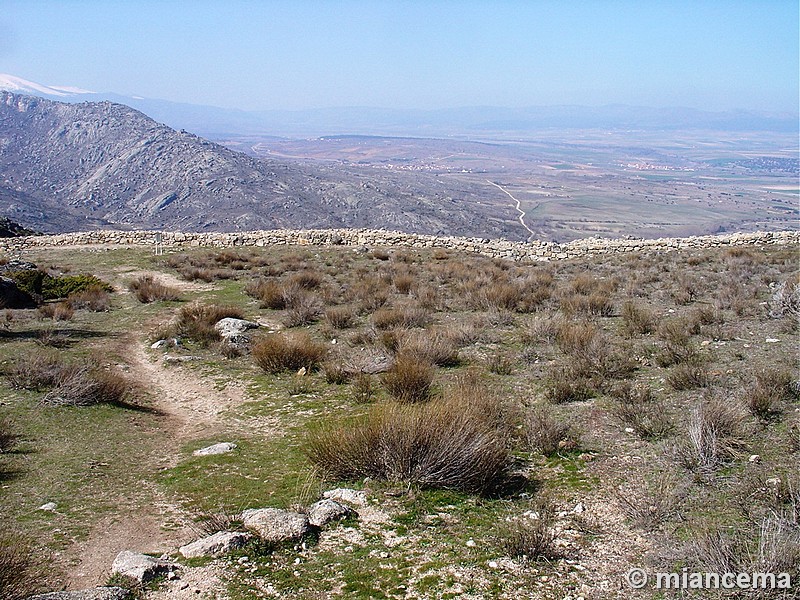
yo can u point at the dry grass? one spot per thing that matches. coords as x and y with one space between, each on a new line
442 444
434 346
148 289
769 391
547 434
302 308
89 386
340 317
636 319
638 408
38 370
717 433
280 352
93 299
530 537
20 574
196 321
409 379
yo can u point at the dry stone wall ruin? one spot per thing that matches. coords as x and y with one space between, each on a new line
534 251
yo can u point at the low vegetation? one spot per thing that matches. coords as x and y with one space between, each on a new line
536 424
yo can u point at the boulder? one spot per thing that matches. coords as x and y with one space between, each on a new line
13 297
276 525
98 593
140 567
221 448
354 497
220 543
323 512
230 327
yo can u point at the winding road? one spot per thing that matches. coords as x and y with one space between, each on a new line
521 212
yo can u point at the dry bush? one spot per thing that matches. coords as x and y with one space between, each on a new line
37 371
466 333
769 390
500 364
543 329
336 372
636 319
689 376
660 501
363 388
716 433
340 317
403 282
7 436
370 294
677 347
638 408
404 317
597 304
441 444
380 254
427 297
409 379
686 290
785 300
20 574
60 311
502 296
302 308
93 299
89 386
211 523
565 383
531 536
500 317
279 352
434 346
307 280
793 432
270 293
148 289
196 321
547 434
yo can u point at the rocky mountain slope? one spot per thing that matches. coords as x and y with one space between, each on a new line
90 165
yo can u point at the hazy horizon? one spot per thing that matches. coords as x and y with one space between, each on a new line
259 56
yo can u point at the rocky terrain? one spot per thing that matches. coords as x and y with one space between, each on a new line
81 166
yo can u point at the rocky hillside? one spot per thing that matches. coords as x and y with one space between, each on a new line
90 165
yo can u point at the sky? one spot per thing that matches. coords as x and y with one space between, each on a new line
275 54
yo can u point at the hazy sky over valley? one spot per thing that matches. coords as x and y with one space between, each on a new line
714 55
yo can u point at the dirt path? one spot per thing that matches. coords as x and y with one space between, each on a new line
148 521
519 210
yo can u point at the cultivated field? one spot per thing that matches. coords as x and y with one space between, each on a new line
509 430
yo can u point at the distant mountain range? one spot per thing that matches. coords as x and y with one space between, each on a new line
99 164
217 123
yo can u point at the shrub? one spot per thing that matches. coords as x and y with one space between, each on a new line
268 292
307 280
363 388
93 299
547 434
689 376
280 352
531 536
86 387
20 575
566 384
636 319
785 300
442 444
405 317
7 436
196 321
409 379
340 317
148 289
434 346
716 434
303 308
637 408
37 371
659 503
336 373
770 388
60 311
500 364
403 282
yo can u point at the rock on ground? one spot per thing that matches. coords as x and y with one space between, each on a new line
99 593
276 525
221 448
327 510
217 544
230 327
140 567
354 497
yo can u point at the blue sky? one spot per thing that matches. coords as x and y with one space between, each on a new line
714 55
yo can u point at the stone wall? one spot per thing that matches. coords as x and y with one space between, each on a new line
536 250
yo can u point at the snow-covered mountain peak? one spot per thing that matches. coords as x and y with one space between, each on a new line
11 83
